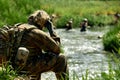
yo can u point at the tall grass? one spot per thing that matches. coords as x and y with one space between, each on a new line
7 72
111 40
14 11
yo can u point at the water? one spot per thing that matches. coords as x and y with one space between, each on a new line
84 50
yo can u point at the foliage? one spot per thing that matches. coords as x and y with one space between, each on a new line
14 11
7 73
111 40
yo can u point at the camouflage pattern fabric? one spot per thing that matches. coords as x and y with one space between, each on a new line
37 41
5 41
44 51
45 63
40 17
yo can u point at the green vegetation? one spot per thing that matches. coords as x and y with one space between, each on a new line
111 40
7 73
97 12
16 11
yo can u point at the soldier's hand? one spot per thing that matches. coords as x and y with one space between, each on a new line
57 39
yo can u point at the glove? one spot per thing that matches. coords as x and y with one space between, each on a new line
57 39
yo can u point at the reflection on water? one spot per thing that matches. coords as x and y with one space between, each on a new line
84 51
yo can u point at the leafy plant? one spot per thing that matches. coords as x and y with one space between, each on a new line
7 72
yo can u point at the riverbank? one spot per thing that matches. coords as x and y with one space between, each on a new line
111 40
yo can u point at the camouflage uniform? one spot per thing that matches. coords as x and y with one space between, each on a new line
84 25
69 24
41 19
117 17
44 50
37 41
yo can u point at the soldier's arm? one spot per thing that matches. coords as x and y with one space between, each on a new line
45 42
49 26
52 33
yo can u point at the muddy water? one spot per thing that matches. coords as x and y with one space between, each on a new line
84 51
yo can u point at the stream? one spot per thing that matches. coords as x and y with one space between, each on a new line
84 51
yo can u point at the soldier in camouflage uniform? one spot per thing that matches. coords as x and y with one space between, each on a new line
84 25
117 17
32 50
44 51
69 24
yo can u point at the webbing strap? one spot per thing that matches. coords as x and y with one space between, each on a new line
4 42
19 35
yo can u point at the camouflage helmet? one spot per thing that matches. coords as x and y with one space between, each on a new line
39 17
70 21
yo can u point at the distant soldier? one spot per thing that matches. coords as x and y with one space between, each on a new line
84 25
53 19
69 24
53 16
117 17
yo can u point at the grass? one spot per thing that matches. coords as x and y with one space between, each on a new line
14 11
111 40
7 73
97 12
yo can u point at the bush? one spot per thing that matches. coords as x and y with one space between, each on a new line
111 40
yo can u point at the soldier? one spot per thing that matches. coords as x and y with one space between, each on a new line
54 19
84 25
69 24
117 17
44 51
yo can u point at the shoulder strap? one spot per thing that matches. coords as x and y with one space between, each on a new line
19 35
